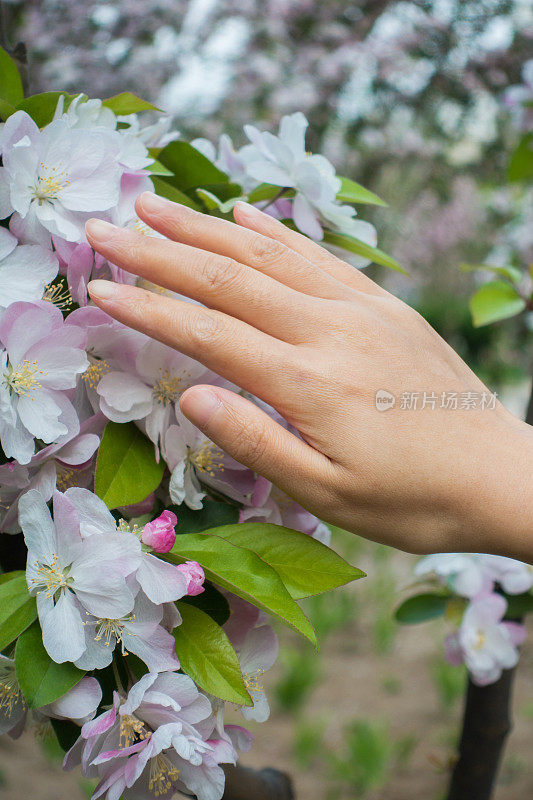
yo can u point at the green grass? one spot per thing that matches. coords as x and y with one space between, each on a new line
449 682
300 673
307 742
367 755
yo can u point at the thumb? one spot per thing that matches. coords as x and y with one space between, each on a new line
254 439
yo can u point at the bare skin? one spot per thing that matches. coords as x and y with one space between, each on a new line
316 339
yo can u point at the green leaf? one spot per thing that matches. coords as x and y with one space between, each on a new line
511 273
126 469
6 109
41 680
207 655
212 514
352 192
265 191
17 609
128 103
421 607
11 90
518 605
189 167
521 163
495 301
245 574
211 602
8 576
212 202
224 191
157 168
42 107
165 189
306 566
361 249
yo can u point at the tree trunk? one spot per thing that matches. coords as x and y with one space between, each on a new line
486 724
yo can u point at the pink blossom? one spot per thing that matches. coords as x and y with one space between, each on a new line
160 534
195 577
486 643
157 735
40 363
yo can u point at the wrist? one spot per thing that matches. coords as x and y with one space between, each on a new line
499 491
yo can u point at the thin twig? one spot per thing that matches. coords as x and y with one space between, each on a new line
275 198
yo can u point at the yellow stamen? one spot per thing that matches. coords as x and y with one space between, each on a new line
67 477
109 629
132 730
251 681
169 387
10 692
127 527
162 775
25 378
153 287
141 227
58 295
208 458
50 182
95 372
50 577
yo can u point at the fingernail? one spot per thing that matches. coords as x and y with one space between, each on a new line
152 202
246 209
202 406
98 229
103 290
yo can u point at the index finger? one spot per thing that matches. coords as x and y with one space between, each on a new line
255 361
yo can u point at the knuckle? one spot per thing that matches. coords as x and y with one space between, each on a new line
313 375
205 329
182 221
140 305
250 441
142 312
266 251
220 275
131 251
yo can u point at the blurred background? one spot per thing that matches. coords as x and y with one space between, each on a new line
419 102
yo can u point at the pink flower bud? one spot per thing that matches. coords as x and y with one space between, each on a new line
195 577
160 534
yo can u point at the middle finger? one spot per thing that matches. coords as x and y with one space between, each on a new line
216 281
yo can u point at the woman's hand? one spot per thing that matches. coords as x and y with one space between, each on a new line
322 343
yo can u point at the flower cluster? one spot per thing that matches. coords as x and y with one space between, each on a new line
283 161
486 640
98 465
